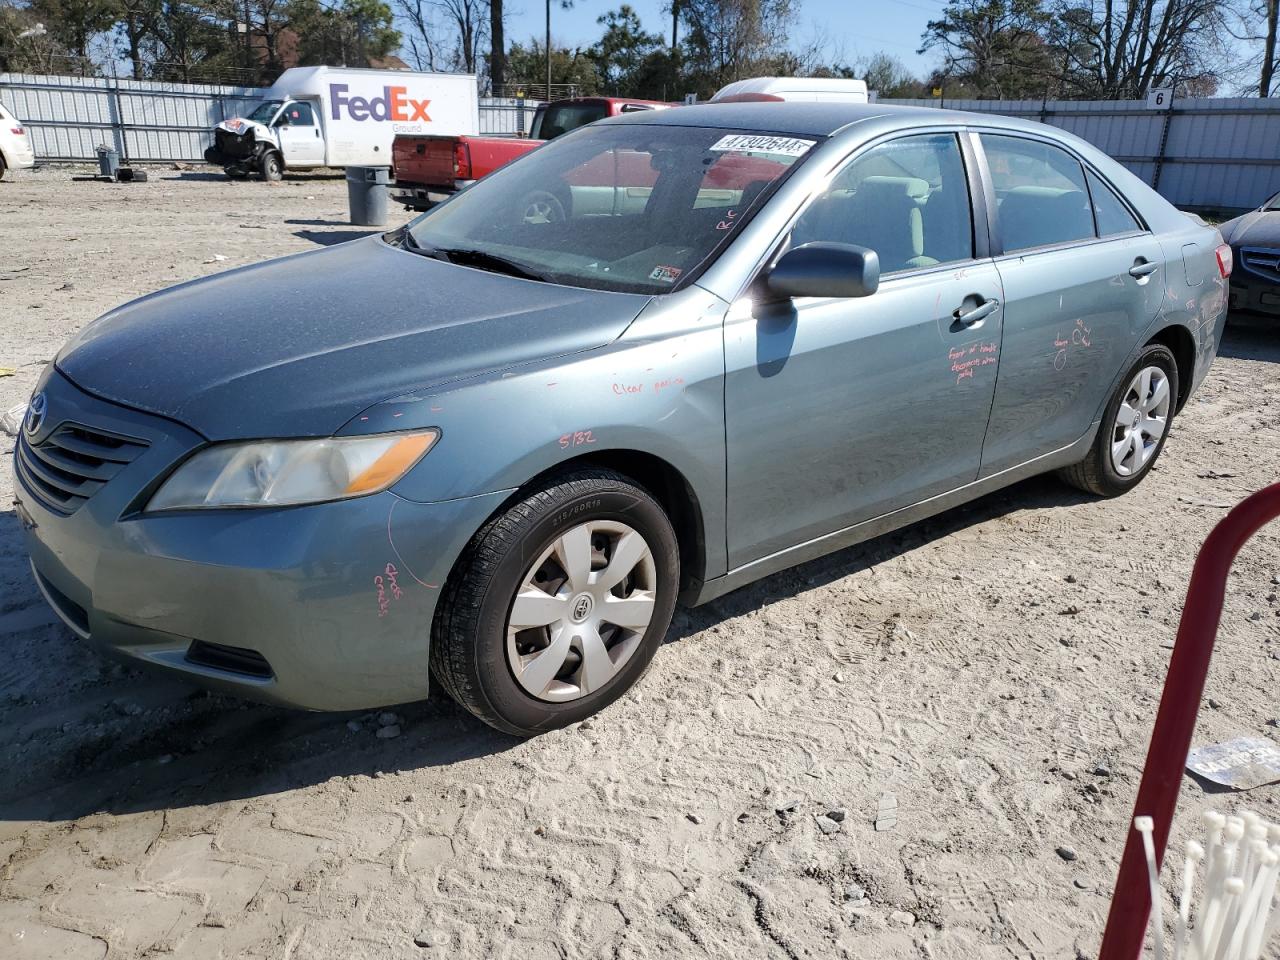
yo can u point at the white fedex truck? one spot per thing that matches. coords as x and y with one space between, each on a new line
340 117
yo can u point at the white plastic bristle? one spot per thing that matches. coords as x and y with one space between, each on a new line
1146 826
1223 856
1266 895
1195 853
1215 920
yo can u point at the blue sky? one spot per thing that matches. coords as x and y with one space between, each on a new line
893 26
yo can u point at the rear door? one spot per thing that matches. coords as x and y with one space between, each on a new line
1082 279
840 410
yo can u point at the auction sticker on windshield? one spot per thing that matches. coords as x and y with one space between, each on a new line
753 143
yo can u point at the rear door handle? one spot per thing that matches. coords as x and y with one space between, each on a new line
978 313
1143 268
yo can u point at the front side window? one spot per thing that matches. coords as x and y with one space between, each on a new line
908 200
297 115
626 207
1110 213
1040 193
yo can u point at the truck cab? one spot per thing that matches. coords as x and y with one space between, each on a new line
276 134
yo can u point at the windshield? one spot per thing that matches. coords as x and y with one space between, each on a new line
1273 203
558 118
627 207
265 112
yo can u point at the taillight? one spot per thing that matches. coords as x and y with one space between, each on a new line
17 131
461 161
1225 260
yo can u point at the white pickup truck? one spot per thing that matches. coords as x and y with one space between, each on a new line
340 117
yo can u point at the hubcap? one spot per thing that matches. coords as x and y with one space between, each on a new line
1141 421
581 611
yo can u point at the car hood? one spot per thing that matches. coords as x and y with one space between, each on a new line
299 346
1256 229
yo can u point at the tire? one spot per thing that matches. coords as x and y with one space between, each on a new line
488 663
1110 471
2 167
270 166
541 206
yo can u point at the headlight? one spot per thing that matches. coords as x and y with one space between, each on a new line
277 473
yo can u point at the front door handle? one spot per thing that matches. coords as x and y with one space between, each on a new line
1143 268
983 310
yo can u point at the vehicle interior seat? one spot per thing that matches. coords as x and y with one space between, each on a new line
1038 216
882 213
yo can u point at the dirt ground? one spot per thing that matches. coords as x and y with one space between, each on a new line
992 672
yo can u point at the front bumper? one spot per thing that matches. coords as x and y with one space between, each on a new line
1255 281
415 196
1254 295
324 607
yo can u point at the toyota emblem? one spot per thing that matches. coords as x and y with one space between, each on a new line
35 414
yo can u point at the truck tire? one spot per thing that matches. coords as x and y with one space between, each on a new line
270 166
1 166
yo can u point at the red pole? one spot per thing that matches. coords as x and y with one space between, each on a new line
1176 719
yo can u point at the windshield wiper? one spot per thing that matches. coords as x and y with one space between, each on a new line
484 260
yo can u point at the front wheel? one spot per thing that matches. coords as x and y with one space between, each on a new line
558 604
270 166
1134 427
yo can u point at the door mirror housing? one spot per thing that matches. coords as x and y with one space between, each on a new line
824 270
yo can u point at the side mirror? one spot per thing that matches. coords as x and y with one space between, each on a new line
825 270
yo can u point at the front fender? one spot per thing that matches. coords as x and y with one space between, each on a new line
659 390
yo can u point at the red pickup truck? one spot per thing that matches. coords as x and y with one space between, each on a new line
428 169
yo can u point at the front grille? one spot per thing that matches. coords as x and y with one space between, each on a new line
233 144
1263 262
231 659
73 463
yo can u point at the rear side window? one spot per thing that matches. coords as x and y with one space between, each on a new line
1041 193
557 120
1112 216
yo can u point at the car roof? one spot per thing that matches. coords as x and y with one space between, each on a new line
805 118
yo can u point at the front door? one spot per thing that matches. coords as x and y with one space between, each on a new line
301 141
840 410
1082 280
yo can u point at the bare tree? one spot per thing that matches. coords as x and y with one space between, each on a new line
467 20
497 45
1122 48
727 40
1257 23
420 31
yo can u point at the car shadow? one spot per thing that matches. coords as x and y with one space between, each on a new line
114 739
329 238
1251 337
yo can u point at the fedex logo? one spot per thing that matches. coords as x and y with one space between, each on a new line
392 105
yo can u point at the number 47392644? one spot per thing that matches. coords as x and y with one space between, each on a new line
576 439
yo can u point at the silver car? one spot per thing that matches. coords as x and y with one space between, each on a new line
661 357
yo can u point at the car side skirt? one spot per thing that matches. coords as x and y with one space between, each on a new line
876 526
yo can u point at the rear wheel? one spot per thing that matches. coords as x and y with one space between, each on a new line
270 166
2 168
557 605
1134 427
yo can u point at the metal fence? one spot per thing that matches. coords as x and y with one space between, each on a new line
1206 154
70 117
